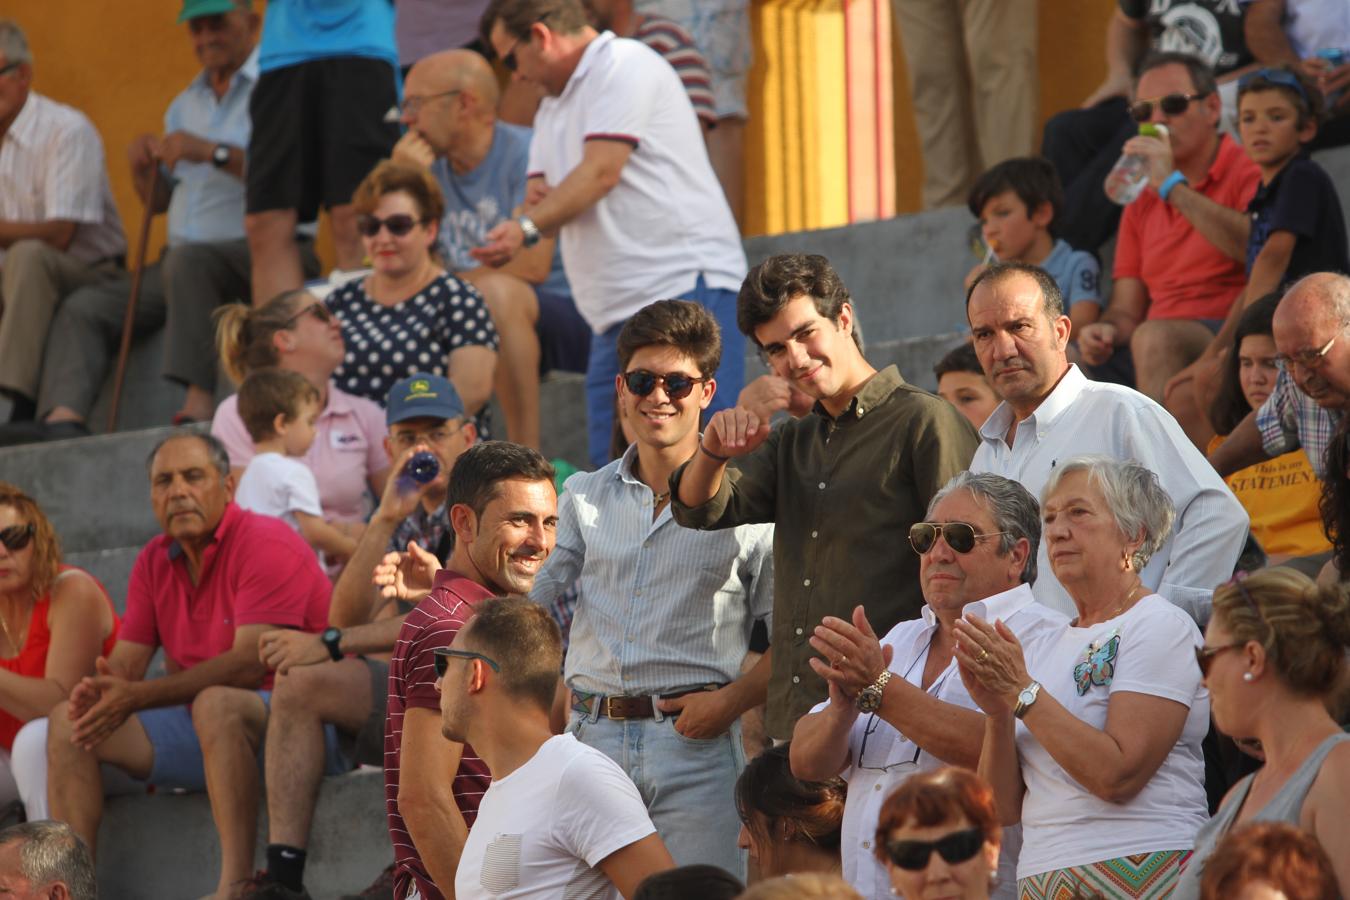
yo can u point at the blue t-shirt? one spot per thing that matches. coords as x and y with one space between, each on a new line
1077 273
1300 199
476 201
298 31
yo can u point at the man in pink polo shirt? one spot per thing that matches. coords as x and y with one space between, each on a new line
204 591
1180 254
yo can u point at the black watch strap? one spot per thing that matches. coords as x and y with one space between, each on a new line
332 639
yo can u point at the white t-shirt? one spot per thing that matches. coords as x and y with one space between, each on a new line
276 485
1148 649
543 830
667 220
889 750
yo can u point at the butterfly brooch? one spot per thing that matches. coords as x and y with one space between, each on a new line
1098 665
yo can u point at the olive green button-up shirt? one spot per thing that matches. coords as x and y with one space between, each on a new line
842 493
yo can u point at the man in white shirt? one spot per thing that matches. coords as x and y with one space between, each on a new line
560 819
977 554
59 229
619 171
1050 411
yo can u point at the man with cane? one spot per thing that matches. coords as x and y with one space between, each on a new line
194 172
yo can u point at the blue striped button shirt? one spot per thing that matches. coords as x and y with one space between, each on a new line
660 606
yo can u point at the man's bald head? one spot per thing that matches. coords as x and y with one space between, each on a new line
1312 330
454 70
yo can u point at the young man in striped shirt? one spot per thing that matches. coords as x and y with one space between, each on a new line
665 613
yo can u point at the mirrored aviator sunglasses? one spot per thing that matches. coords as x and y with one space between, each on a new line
16 537
398 224
957 847
641 383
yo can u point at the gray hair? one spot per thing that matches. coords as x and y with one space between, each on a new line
220 457
13 43
1133 495
52 852
1012 507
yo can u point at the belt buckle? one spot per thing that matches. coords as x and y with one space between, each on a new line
609 711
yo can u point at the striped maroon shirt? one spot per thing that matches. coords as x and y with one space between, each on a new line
674 43
412 684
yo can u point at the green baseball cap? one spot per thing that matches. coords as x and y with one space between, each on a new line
195 9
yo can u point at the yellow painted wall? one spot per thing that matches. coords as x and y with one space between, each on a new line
121 61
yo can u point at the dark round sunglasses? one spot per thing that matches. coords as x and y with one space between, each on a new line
16 537
960 536
1171 105
957 847
641 382
398 224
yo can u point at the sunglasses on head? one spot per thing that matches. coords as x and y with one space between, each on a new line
677 385
1171 105
398 224
16 537
960 536
443 655
1274 76
957 847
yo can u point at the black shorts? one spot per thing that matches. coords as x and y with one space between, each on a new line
318 128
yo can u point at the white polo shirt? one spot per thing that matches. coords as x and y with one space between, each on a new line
667 220
890 757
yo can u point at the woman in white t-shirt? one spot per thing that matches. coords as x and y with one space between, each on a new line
1094 744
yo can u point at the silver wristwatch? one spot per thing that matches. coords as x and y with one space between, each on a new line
220 156
1025 698
869 698
530 230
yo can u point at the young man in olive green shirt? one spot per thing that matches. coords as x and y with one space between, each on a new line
842 484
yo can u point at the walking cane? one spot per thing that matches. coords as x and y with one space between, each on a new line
136 273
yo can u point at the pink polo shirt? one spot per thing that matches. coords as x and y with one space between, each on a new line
347 450
257 571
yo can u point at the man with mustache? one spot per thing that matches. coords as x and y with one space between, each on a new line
1050 411
842 484
504 513
204 590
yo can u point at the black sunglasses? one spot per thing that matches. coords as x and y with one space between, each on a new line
398 224
443 655
16 537
1171 105
509 57
957 847
317 308
960 536
641 382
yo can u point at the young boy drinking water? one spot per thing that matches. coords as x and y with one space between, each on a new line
279 409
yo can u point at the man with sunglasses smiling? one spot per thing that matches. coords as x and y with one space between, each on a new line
1181 252
898 705
664 617
620 174
334 684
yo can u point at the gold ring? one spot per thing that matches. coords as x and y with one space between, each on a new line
984 654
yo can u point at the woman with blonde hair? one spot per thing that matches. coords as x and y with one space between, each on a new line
296 332
55 621
1273 652
409 314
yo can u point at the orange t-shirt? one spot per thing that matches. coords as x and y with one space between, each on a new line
32 659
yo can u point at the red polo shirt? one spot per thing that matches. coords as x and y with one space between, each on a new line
1186 276
256 571
412 684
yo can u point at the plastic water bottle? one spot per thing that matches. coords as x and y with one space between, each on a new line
1129 176
419 470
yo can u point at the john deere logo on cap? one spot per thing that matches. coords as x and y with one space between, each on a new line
420 387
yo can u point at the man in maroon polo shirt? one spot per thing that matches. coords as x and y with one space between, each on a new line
504 512
204 590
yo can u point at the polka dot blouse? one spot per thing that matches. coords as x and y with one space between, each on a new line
389 343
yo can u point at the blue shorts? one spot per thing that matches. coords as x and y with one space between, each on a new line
178 754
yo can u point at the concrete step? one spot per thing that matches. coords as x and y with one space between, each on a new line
164 846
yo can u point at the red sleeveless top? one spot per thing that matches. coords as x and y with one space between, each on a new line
32 659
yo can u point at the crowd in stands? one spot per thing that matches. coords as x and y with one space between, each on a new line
1076 625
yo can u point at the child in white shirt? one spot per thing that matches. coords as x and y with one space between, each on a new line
279 409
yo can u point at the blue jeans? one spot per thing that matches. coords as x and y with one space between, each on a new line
687 784
603 365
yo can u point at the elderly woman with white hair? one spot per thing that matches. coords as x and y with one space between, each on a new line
1093 744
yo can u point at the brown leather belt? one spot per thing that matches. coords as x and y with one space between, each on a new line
639 707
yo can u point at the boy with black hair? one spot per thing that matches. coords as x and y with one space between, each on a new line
1017 202
962 383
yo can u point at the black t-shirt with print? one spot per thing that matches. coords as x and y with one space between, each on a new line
1209 29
